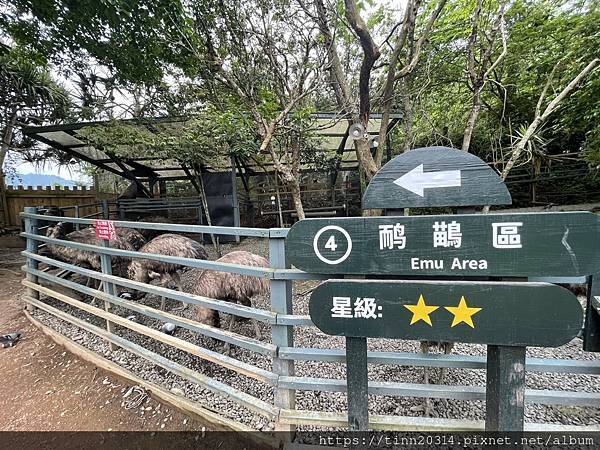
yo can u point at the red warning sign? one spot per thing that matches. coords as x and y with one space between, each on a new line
105 229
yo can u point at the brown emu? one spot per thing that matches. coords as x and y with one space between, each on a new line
151 234
226 286
84 258
143 270
133 237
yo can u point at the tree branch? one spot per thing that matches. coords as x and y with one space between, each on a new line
417 50
540 118
371 54
390 82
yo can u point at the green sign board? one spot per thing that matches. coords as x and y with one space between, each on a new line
537 244
495 313
435 176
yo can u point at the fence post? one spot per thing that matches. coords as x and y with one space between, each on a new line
105 210
282 335
505 388
31 226
121 210
106 265
77 216
109 288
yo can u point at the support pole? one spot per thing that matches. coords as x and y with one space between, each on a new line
152 185
106 211
357 384
120 210
77 215
282 335
591 327
234 199
505 388
31 226
278 200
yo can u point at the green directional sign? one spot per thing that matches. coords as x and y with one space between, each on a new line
495 313
435 176
537 244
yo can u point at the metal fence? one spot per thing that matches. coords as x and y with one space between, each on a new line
281 411
190 206
224 210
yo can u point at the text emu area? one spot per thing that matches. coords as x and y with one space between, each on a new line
456 264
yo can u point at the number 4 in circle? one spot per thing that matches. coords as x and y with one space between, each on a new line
330 244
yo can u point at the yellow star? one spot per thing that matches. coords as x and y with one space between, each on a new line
462 313
421 311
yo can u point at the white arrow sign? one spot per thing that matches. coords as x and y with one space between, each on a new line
416 180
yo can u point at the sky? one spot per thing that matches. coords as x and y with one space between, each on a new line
71 172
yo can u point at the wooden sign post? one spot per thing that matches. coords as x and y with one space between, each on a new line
506 316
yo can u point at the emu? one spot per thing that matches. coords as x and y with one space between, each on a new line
84 258
143 270
426 407
151 234
133 237
230 287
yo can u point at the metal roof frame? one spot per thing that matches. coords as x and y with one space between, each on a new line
63 138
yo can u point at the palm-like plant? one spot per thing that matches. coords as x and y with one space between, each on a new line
534 152
535 149
28 96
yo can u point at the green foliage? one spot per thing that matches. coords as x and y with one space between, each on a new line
26 85
207 138
168 53
28 96
542 34
136 37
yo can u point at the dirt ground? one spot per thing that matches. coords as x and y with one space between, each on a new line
45 388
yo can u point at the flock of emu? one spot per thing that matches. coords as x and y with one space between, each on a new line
207 283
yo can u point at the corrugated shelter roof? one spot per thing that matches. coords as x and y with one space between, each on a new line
330 128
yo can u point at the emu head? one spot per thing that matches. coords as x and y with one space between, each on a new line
208 316
57 231
136 272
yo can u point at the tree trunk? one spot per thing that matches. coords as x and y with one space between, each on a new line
297 199
388 92
215 240
4 146
365 159
408 113
539 119
7 136
475 108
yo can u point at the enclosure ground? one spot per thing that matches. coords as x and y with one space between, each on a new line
45 388
309 337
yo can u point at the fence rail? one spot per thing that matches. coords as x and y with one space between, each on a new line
281 351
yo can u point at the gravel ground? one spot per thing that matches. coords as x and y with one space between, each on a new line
311 337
